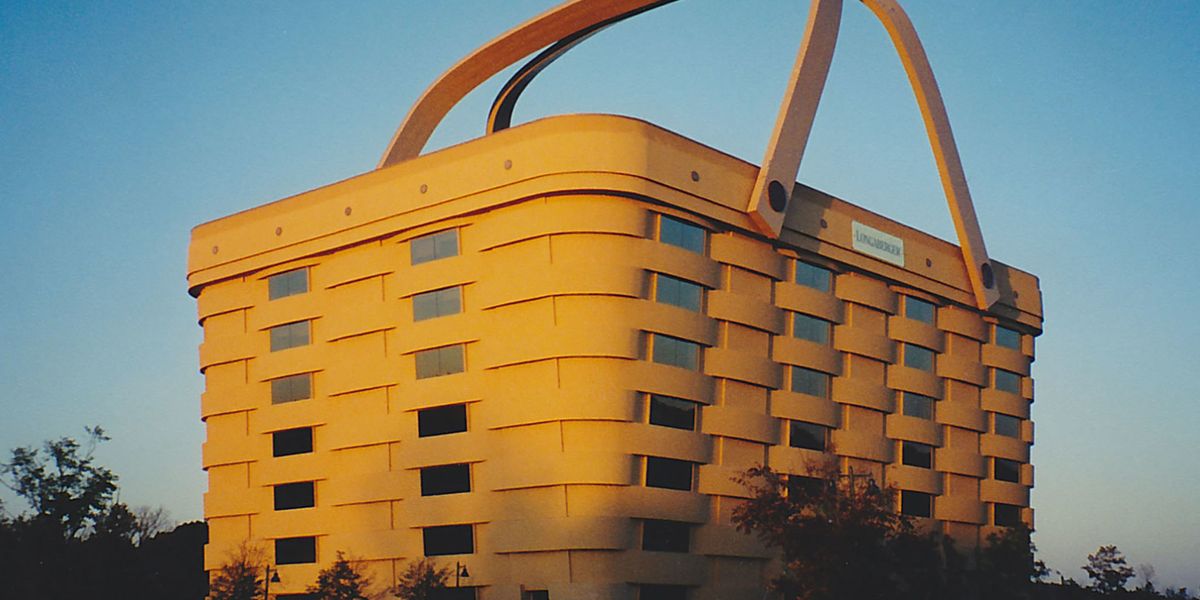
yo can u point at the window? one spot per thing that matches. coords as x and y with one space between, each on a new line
537 595
668 473
291 388
1006 425
810 328
448 539
289 335
1006 381
916 504
818 278
1008 338
916 405
292 441
286 284
436 362
297 550
442 420
442 244
677 292
917 357
680 233
446 479
648 591
453 593
1006 515
437 303
666 536
1006 470
674 351
801 487
808 381
672 412
916 455
295 495
919 310
806 435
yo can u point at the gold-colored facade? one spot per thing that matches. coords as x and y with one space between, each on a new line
551 304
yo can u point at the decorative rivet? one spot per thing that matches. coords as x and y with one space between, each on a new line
777 196
824 224
347 211
507 164
424 188
928 263
216 249
278 231
695 176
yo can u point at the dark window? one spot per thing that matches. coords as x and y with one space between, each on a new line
800 487
437 303
916 455
291 388
815 277
1006 515
1006 470
295 495
672 412
449 539
918 357
666 536
808 435
453 593
668 473
292 551
1006 425
435 362
1006 381
445 479
648 591
295 597
916 405
808 381
286 284
1006 337
810 328
677 292
442 420
289 335
537 595
916 504
674 351
292 441
680 233
443 244
919 310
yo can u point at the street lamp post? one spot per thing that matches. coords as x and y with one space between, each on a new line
460 570
272 576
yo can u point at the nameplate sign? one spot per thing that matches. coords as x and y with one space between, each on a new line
873 242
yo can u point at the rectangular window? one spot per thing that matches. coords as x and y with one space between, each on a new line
1006 515
800 487
1006 381
448 539
1006 425
442 420
654 591
434 246
295 495
811 328
436 362
680 233
666 536
916 504
917 357
437 303
289 335
677 292
286 284
806 435
1008 338
668 473
446 479
916 405
808 381
916 455
537 595
674 351
291 388
672 412
294 551
1006 470
454 593
292 441
818 278
919 310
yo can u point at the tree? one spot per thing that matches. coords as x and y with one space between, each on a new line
241 575
421 580
1108 570
1007 565
341 581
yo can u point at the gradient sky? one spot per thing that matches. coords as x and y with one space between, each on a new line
122 125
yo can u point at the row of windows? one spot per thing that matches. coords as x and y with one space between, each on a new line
431 422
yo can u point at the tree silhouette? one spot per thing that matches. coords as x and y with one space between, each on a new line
422 580
1108 570
240 577
341 581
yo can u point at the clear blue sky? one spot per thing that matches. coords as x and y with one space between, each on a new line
122 125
